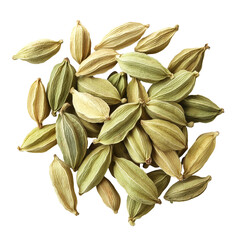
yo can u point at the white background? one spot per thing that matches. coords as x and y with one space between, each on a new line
29 208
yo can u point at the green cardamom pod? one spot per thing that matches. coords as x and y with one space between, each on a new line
189 59
119 150
61 80
39 51
199 153
143 67
93 168
40 139
93 129
185 133
187 189
135 181
198 108
165 135
156 41
101 88
176 89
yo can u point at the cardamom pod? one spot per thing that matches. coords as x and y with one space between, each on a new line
93 168
143 67
98 62
187 189
136 209
90 108
92 129
37 102
185 133
122 36
165 135
119 81
169 162
40 139
101 88
120 150
199 153
139 145
109 194
61 80
176 89
189 59
71 138
198 108
135 181
157 41
80 43
38 51
62 180
122 121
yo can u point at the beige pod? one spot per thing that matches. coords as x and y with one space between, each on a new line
62 180
37 102
185 133
109 194
39 51
80 43
122 36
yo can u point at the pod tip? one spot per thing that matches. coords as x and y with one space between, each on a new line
60 41
147 25
131 222
19 148
176 27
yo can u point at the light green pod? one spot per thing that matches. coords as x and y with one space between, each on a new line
93 129
185 133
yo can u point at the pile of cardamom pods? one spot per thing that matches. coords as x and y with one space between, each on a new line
133 128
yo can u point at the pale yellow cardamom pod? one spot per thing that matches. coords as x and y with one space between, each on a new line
39 51
62 180
80 43
90 108
156 41
199 153
122 36
37 102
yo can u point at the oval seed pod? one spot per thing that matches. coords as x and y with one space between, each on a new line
169 162
187 189
176 89
185 133
122 36
165 135
80 43
199 153
61 80
109 194
189 59
37 103
40 139
120 150
71 138
156 41
92 129
101 88
39 51
122 121
139 145
62 180
119 81
93 168
90 108
136 209
198 108
135 181
98 62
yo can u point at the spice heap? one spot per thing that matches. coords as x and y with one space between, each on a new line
133 128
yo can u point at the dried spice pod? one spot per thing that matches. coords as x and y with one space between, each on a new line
62 180
187 189
93 168
98 62
37 102
80 43
157 41
185 133
61 80
38 51
199 153
40 139
92 129
198 108
101 88
119 150
109 194
122 36
189 59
